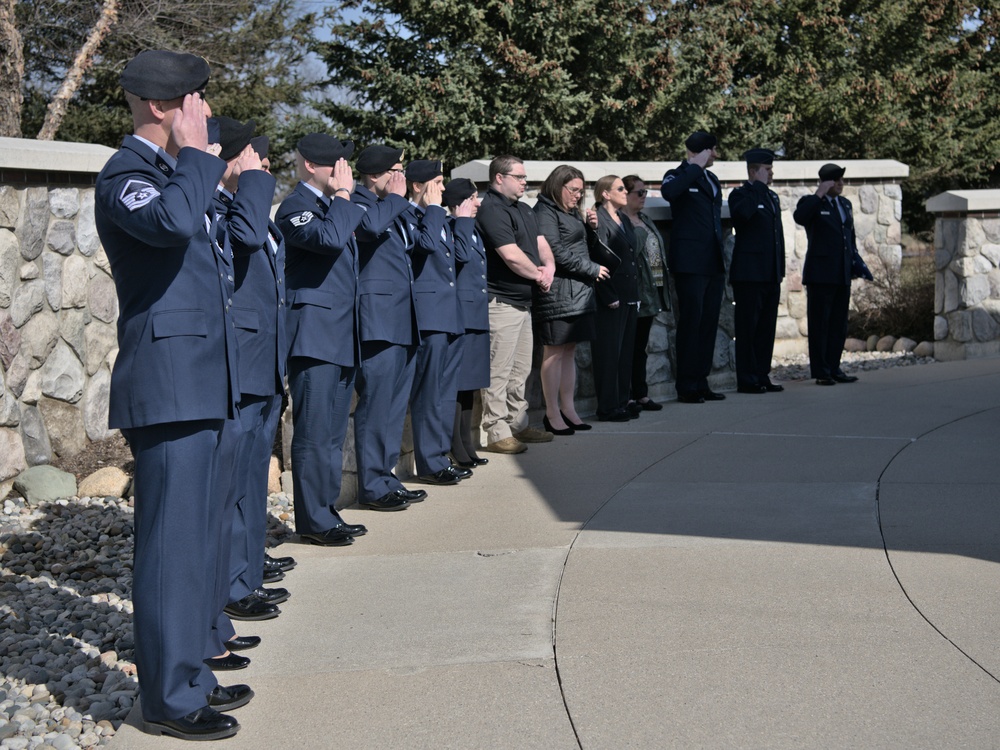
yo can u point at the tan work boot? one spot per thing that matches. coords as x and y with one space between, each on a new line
507 445
534 435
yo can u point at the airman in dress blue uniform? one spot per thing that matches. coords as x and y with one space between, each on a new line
696 264
174 386
387 327
435 382
756 271
318 221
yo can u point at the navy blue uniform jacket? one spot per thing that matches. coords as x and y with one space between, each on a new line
696 226
259 304
473 299
385 282
759 252
176 342
436 295
321 271
831 241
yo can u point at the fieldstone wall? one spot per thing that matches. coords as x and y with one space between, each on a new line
58 310
967 267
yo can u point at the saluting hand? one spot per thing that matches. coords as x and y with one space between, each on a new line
825 187
341 178
702 157
247 160
396 184
465 208
432 193
190 125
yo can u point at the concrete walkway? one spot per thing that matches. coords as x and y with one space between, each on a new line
816 568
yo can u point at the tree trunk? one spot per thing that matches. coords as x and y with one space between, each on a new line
84 59
11 72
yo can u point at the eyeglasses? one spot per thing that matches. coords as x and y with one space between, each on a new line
573 191
640 193
518 177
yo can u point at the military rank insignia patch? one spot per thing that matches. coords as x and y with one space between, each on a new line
302 219
137 194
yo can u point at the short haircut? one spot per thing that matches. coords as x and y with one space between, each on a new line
603 186
503 165
557 179
751 168
629 181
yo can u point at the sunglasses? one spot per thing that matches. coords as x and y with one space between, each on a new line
640 193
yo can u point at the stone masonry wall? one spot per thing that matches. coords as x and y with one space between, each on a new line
57 325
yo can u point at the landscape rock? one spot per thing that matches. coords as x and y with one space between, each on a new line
107 482
44 484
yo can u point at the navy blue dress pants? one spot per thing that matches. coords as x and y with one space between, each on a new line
432 400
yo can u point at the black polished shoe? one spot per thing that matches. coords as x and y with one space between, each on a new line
243 642
272 574
329 538
465 464
284 563
412 496
442 478
479 460
251 608
618 415
633 409
204 724
578 426
389 501
751 389
825 381
710 395
228 663
354 529
549 428
271 596
228 698
773 387
690 398
649 405
841 377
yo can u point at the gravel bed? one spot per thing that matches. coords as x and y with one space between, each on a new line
67 679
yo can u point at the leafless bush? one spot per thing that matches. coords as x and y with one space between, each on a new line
899 302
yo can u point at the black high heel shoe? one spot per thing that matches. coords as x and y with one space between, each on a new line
549 428
578 427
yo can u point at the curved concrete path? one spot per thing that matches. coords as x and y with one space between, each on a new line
817 568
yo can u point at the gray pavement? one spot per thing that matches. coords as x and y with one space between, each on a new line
816 568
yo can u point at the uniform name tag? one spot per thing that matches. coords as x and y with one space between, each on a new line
760 205
692 190
824 213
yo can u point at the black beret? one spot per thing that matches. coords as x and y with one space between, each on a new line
260 144
423 170
323 149
699 141
831 172
162 74
232 135
759 156
457 191
378 159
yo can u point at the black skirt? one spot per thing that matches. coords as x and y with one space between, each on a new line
571 330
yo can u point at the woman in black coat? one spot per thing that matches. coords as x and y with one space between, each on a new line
564 315
617 305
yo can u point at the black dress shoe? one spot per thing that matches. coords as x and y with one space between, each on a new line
329 538
549 428
228 698
272 573
773 388
465 464
389 501
633 409
649 405
691 398
354 529
442 478
481 461
825 381
578 426
459 472
412 496
618 415
204 724
710 395
228 663
243 642
751 389
251 608
284 563
271 596
841 377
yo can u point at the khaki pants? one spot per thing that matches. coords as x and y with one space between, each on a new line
505 410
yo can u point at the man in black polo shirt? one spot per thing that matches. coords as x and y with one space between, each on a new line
517 259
